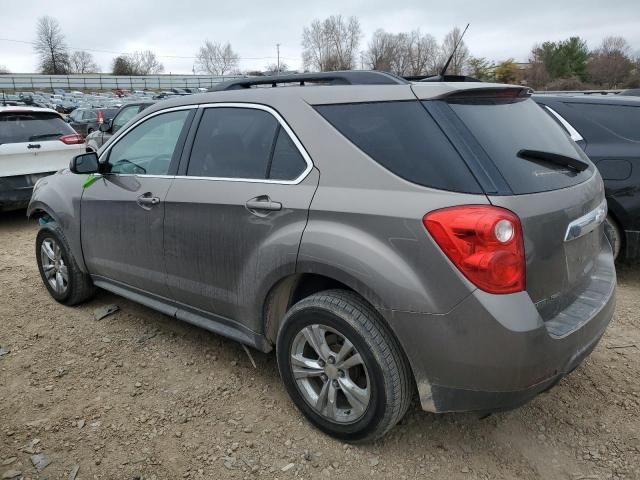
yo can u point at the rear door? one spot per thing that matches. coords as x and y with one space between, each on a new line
235 216
497 126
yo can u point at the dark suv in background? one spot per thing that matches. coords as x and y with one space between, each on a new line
607 128
98 137
87 120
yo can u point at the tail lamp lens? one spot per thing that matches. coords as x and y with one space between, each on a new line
73 139
100 117
484 242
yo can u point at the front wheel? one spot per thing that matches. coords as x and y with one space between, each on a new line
60 273
612 230
342 366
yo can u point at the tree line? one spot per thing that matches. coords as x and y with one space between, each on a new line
334 43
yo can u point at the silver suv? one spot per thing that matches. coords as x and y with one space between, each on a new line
384 237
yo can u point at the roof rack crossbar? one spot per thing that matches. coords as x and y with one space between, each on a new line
353 77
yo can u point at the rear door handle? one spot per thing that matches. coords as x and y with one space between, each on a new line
263 202
147 200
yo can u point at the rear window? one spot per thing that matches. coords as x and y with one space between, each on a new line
404 138
621 120
503 128
22 127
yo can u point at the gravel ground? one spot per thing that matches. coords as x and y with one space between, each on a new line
140 395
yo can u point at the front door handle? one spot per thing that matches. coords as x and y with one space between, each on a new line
147 200
263 202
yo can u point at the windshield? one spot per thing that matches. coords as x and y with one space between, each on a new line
504 128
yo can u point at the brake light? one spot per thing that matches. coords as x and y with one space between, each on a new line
73 139
484 242
100 119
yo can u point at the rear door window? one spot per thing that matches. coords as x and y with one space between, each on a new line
233 143
622 120
404 138
22 127
504 127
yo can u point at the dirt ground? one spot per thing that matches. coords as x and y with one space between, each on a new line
139 395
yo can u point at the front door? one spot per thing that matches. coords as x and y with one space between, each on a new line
234 222
122 213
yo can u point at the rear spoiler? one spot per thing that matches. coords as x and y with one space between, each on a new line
487 93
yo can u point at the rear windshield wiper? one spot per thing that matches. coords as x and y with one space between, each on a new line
556 158
44 135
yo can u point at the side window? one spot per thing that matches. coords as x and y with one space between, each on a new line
89 115
149 147
123 117
621 120
287 162
233 143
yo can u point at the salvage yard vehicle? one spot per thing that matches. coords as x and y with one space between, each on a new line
34 142
111 125
87 120
607 127
382 236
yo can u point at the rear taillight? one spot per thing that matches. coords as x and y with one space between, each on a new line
100 119
484 242
73 139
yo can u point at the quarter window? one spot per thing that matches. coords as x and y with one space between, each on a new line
149 148
287 162
233 143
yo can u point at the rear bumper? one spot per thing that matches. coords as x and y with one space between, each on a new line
16 190
494 352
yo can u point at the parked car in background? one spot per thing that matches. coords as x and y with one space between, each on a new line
97 138
607 128
34 142
87 120
380 235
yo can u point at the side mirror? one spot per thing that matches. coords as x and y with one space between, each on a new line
105 126
85 163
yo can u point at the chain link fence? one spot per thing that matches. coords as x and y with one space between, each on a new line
90 82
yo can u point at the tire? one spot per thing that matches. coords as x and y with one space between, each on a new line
89 131
383 385
77 287
614 234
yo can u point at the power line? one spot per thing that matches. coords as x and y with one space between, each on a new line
126 53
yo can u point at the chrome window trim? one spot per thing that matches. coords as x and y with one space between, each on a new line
255 106
586 223
131 127
573 133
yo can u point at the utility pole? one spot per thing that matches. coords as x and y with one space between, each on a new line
278 49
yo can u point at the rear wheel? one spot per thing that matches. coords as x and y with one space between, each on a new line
342 366
60 273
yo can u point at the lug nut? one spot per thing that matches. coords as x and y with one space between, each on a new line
323 377
321 363
331 360
336 384
341 373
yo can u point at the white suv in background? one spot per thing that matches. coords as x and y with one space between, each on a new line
34 143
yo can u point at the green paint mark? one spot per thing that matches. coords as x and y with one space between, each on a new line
91 179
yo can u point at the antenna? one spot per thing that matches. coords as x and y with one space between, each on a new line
446 65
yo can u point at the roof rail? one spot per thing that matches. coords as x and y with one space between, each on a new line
350 77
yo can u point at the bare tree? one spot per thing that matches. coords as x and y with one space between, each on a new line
610 64
51 47
217 59
273 68
146 63
331 44
82 62
381 51
402 53
459 60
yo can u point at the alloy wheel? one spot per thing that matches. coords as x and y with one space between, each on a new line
330 373
55 270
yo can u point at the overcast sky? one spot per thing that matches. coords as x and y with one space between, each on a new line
171 29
